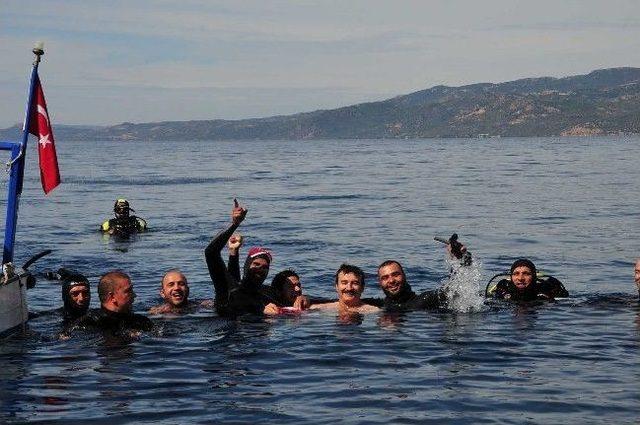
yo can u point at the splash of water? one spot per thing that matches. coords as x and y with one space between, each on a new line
463 286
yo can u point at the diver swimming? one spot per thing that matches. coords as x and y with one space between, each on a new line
123 224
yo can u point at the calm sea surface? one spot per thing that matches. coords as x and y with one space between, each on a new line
571 205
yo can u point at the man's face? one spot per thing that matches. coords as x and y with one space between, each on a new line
391 279
258 269
121 211
123 296
291 289
522 277
80 296
175 289
349 288
636 274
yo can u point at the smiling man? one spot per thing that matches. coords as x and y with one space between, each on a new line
525 285
398 292
349 283
174 290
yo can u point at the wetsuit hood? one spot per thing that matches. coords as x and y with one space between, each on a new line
524 262
71 279
248 277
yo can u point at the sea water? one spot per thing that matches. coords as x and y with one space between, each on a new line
569 204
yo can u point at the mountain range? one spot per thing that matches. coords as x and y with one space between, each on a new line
605 101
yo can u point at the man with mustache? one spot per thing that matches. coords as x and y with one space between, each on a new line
349 283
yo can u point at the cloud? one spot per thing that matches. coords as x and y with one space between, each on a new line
357 50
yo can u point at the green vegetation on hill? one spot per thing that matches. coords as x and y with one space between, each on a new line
602 102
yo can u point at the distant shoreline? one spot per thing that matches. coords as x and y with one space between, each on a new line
602 103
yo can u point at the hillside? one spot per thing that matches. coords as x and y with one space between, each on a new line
602 102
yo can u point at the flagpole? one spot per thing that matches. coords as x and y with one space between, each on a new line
16 177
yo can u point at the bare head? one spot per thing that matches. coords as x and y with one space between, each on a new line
115 291
349 283
391 278
174 288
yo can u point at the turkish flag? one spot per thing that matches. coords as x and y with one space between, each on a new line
40 127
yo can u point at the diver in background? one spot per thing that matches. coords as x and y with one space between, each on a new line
123 224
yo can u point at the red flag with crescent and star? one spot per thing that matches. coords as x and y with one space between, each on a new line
40 126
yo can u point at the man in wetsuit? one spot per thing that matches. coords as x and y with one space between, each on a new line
123 224
76 295
235 297
636 276
398 293
116 307
524 284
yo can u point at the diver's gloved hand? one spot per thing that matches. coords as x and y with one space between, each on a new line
458 250
61 274
238 213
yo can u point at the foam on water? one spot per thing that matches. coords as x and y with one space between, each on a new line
463 287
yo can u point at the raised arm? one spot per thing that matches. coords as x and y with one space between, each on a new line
233 264
220 276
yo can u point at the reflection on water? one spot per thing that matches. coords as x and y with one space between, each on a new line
317 205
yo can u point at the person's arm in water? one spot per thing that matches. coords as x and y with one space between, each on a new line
220 276
141 224
552 288
233 264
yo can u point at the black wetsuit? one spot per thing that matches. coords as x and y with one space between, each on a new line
124 226
541 289
68 316
116 323
234 297
409 300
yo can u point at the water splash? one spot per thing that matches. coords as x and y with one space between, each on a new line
463 286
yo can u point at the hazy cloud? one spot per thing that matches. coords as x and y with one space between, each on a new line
146 60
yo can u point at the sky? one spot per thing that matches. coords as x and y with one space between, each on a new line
108 62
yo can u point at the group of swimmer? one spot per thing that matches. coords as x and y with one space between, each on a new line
239 294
